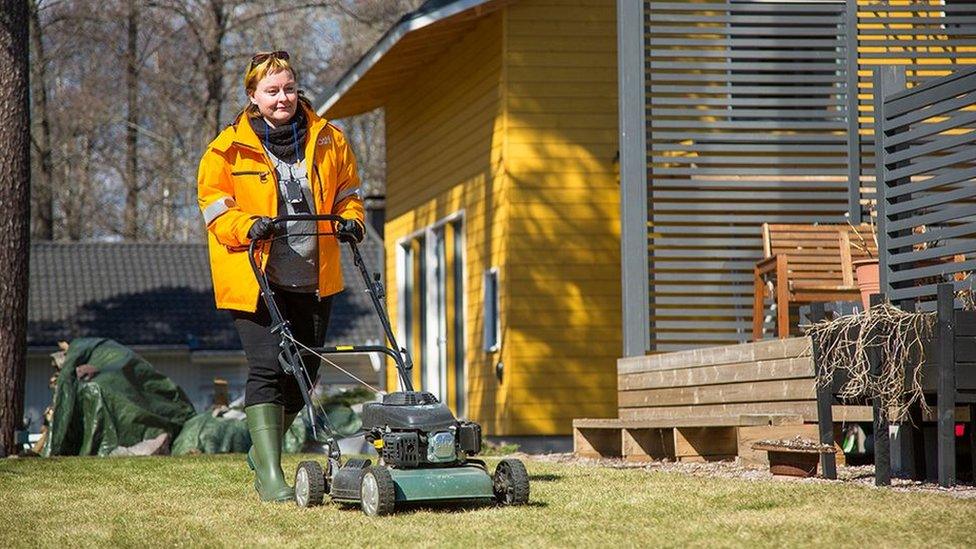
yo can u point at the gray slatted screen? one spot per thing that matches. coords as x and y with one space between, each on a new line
746 123
928 39
929 192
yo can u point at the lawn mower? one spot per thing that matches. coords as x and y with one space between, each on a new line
425 454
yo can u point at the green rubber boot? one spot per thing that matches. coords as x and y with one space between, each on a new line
287 420
264 422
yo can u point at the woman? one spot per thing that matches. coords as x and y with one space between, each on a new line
277 158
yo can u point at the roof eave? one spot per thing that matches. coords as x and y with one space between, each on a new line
386 43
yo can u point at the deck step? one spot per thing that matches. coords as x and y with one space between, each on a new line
685 439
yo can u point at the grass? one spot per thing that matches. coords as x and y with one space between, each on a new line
208 501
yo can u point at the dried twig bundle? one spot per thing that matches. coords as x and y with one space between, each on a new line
846 343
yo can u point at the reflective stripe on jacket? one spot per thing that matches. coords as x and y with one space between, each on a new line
236 184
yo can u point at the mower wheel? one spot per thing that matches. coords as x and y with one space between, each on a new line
309 484
511 482
377 492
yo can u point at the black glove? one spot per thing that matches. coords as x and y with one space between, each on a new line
349 230
261 229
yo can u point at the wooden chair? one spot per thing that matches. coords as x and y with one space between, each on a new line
807 264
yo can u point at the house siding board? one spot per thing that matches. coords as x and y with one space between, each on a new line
444 141
560 102
515 124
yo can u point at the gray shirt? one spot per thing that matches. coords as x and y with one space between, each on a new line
293 261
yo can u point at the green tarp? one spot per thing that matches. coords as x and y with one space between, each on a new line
127 402
206 434
213 435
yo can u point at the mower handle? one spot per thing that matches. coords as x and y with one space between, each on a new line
283 219
306 217
373 288
251 247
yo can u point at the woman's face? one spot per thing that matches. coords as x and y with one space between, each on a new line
276 96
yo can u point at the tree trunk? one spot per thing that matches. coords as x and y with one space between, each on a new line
78 220
14 215
131 217
43 192
215 68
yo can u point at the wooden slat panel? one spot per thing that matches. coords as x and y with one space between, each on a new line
758 391
937 38
805 408
743 420
724 72
787 368
760 351
928 183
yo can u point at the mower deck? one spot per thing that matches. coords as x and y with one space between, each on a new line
467 482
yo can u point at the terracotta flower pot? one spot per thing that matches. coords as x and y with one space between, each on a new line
792 463
800 461
868 279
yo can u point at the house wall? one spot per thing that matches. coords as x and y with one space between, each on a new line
562 276
516 126
444 154
37 394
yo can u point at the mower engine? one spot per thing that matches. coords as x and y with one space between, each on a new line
413 429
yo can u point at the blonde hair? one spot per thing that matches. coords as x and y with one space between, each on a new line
271 65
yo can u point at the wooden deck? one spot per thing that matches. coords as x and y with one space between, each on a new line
712 403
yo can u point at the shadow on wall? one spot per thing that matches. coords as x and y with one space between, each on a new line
565 309
565 306
169 316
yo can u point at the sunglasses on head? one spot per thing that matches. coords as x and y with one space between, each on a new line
263 56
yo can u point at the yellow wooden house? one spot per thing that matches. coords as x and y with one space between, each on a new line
502 225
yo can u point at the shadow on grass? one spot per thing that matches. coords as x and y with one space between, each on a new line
454 507
547 477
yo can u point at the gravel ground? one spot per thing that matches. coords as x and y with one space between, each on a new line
863 475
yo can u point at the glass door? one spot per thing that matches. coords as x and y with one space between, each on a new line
432 308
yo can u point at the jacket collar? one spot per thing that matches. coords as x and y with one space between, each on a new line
240 133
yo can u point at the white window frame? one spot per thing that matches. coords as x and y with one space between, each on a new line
432 349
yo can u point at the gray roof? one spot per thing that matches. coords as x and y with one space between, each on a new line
158 294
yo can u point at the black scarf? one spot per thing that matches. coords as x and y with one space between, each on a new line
285 140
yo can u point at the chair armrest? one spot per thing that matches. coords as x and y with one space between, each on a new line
767 265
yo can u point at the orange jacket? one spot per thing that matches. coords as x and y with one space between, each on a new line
236 184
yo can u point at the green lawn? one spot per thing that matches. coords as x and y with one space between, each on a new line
207 500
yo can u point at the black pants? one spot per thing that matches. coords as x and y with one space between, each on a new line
308 318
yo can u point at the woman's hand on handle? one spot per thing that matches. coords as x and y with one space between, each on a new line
350 230
262 228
